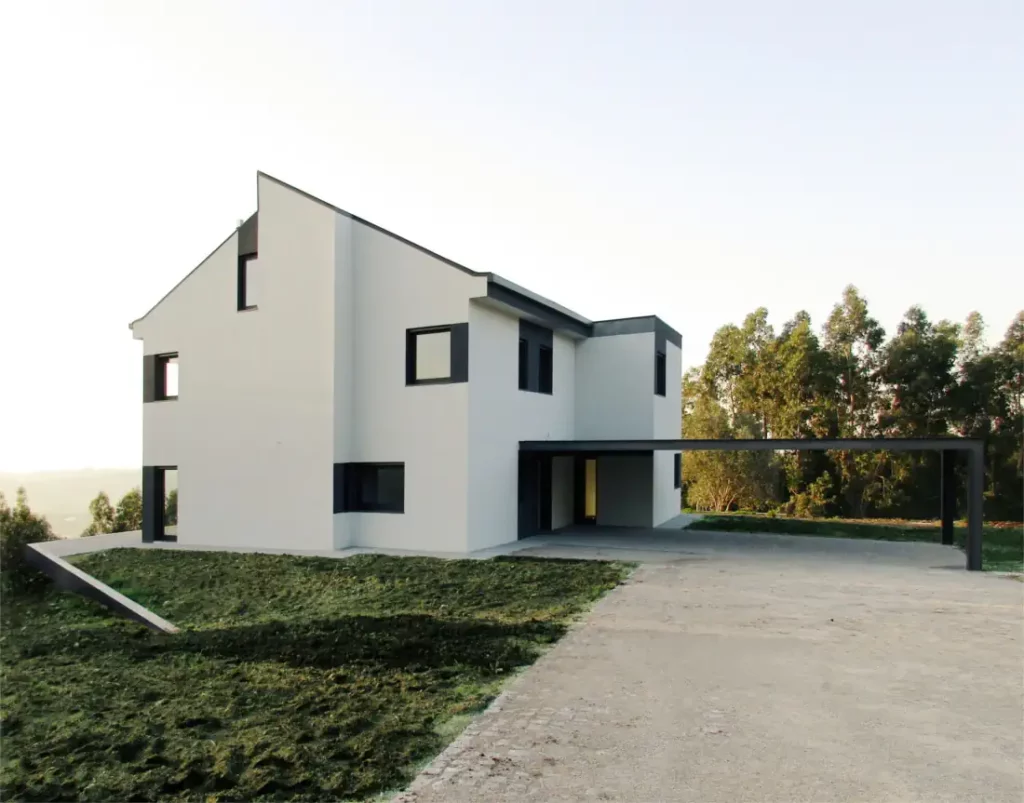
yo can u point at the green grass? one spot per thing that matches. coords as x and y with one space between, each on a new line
293 678
1002 546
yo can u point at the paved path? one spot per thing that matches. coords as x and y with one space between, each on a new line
733 668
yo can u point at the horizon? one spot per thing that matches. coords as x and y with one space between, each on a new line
682 160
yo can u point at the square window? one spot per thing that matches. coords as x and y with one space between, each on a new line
433 355
659 373
546 379
248 282
437 355
524 364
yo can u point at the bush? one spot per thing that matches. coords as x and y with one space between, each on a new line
19 526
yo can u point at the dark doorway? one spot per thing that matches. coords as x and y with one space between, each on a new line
159 512
534 494
584 473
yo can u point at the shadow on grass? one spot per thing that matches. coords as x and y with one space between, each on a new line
341 709
408 642
405 642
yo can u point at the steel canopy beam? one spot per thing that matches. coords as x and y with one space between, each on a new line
755 445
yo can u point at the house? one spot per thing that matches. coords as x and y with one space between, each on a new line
318 382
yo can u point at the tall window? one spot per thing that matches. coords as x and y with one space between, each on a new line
546 378
677 470
536 357
659 373
524 364
248 282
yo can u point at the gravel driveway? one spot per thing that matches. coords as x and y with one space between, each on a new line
736 669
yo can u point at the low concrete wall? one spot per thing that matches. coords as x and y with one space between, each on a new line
74 579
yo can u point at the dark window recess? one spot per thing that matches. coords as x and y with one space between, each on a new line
659 373
437 355
677 471
536 357
159 377
159 519
369 487
546 379
524 364
246 297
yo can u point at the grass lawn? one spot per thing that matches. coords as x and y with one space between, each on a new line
293 678
1002 545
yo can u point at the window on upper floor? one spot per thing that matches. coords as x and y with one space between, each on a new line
545 382
437 355
524 364
248 282
536 358
660 368
159 377
369 487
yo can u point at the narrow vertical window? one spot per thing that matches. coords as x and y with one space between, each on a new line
546 369
659 373
248 282
524 364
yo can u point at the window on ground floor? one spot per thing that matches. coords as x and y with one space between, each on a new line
369 487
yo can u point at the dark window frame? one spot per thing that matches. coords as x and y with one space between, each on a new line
524 364
458 366
660 373
350 480
154 376
162 362
154 503
243 279
546 369
536 358
677 471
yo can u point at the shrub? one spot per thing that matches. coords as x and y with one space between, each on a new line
19 526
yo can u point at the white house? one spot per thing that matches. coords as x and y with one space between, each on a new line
318 382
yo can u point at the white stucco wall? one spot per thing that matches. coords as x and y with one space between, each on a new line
343 526
252 429
624 491
501 415
614 386
668 412
397 287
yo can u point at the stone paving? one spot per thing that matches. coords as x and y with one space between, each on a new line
767 676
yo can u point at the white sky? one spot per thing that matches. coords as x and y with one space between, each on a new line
693 160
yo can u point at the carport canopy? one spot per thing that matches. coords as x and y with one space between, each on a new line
947 447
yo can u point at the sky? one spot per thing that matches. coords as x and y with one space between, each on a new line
693 160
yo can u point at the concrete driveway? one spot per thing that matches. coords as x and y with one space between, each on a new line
761 668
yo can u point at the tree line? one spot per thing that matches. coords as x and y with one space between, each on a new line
127 515
849 381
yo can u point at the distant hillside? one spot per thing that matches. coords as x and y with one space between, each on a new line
64 496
